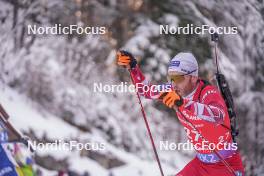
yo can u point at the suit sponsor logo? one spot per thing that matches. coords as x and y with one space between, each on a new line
5 170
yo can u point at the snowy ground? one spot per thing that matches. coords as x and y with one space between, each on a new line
24 116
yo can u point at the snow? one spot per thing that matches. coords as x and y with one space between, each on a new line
171 19
84 164
51 79
25 118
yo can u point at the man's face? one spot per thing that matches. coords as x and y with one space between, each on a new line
184 85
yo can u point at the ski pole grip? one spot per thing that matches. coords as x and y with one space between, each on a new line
215 37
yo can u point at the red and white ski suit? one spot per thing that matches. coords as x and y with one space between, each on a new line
206 110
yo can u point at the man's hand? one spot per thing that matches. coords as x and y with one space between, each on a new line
126 59
171 98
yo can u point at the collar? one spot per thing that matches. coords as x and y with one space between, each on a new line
191 95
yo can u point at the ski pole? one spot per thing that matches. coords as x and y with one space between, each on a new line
4 118
148 128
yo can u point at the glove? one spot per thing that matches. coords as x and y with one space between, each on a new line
171 98
126 59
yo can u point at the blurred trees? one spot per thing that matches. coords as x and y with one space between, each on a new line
57 71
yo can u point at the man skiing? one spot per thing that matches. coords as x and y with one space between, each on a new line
7 167
201 110
13 161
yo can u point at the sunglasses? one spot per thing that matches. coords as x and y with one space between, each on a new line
177 78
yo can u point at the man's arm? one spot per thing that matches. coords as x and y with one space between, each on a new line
144 88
